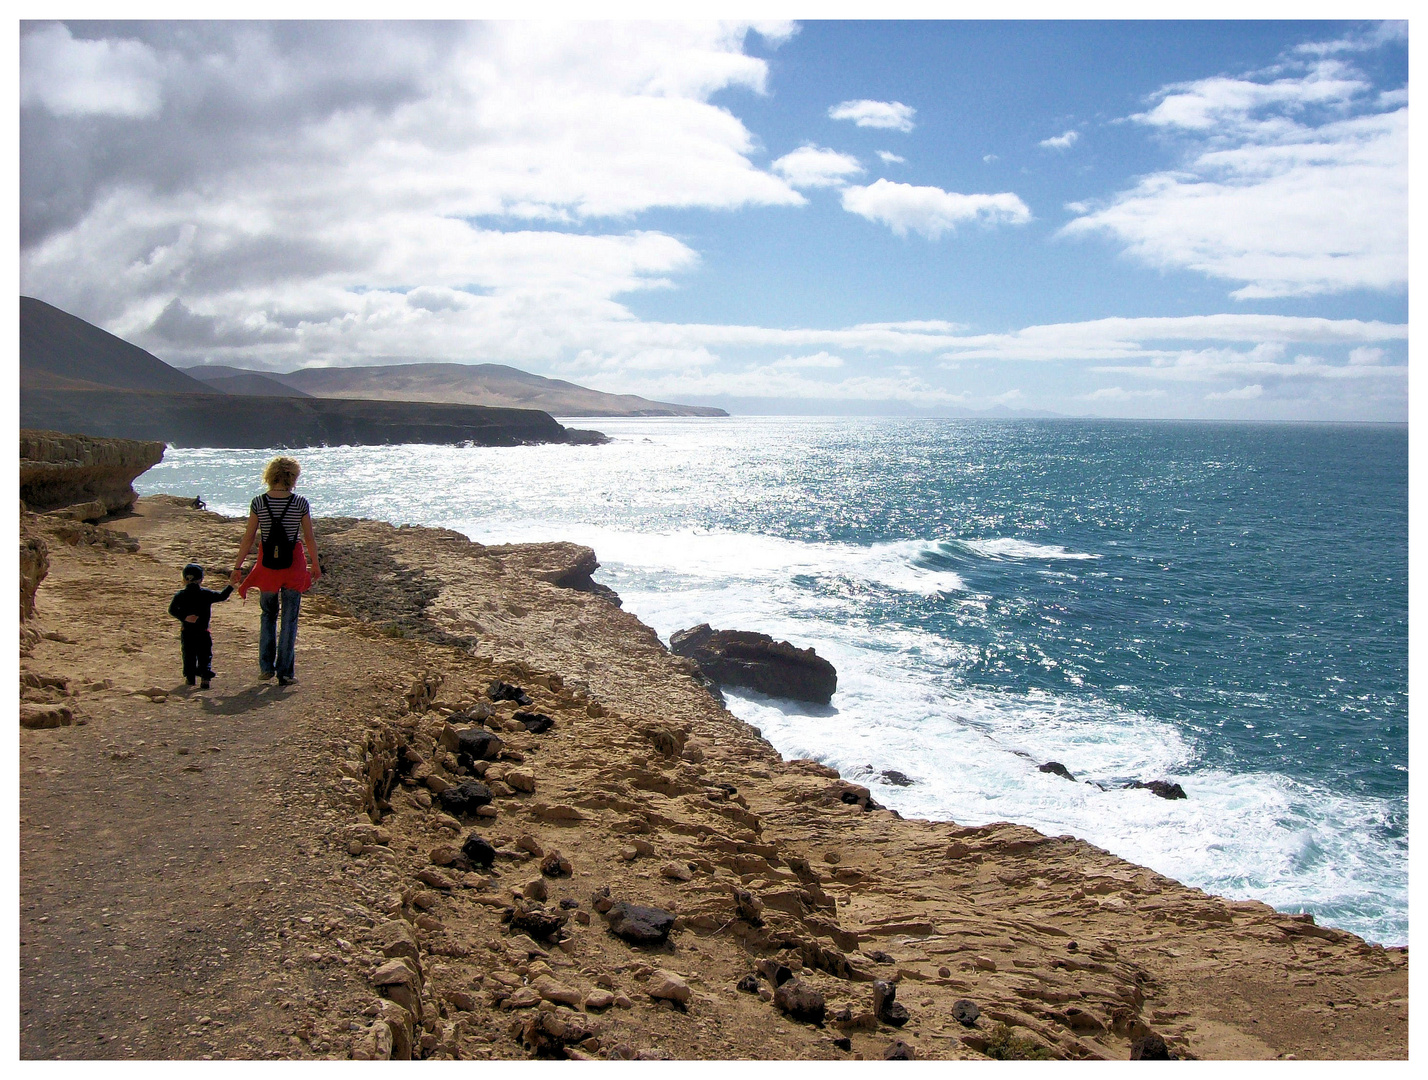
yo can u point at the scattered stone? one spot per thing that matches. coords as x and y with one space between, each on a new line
434 878
535 723
437 784
537 922
535 890
527 842
667 986
464 799
843 1043
748 907
600 899
444 855
499 789
523 998
622 1001
944 972
1151 1048
885 1006
965 1012
877 956
1164 788
832 858
395 939
897 779
599 999
521 780
1057 769
899 1051
676 871
985 963
773 971
424 900
749 984
478 744
640 925
504 691
551 990
801 1001
559 812
487 812
478 851
555 865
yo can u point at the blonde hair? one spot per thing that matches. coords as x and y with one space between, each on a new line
281 472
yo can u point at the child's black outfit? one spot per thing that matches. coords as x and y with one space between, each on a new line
197 642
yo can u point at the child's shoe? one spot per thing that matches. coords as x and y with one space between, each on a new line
205 684
191 680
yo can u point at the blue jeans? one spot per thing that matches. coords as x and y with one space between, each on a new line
275 647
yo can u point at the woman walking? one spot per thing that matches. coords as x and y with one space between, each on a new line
285 569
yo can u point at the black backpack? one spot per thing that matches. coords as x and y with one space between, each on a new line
277 547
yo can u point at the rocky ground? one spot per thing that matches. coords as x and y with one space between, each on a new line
317 871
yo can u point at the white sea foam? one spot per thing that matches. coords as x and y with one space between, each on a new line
1008 547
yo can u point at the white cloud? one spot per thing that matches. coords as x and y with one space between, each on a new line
1244 393
892 115
1064 141
930 210
824 361
1290 188
812 166
77 77
889 158
987 159
1365 355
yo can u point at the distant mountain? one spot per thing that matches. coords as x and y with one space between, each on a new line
60 351
471 384
77 378
241 381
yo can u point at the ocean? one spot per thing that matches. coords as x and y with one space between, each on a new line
1220 605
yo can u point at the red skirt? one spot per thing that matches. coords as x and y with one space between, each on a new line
266 579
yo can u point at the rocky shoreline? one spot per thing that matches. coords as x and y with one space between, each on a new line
527 829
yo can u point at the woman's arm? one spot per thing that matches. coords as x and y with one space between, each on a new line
310 546
245 547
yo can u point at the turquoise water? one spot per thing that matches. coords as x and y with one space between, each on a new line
1221 605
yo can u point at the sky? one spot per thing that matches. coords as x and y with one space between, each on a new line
1139 219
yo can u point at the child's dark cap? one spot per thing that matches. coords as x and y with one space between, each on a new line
193 572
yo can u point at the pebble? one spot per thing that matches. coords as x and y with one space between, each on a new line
443 855
551 990
676 871
985 963
521 780
622 1001
599 999
666 985
535 889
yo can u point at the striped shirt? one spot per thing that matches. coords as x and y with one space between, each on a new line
288 509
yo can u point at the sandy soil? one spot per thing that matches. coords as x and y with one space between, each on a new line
203 875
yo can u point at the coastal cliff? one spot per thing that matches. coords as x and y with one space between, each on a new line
497 819
59 470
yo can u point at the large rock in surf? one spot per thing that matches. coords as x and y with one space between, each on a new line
744 658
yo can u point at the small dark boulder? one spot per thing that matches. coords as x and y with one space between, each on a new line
1151 1048
1164 788
965 1012
537 922
569 903
749 984
899 1051
477 744
801 1001
478 851
897 779
773 971
465 798
843 1043
640 925
744 658
555 865
534 722
504 691
877 956
885 1007
1057 768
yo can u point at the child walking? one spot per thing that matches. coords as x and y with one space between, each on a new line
191 606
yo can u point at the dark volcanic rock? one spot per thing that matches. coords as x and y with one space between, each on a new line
537 922
1057 768
478 851
801 1001
899 1051
535 723
965 1012
757 661
640 925
749 984
504 691
465 798
885 1007
1164 788
478 744
1151 1048
892 776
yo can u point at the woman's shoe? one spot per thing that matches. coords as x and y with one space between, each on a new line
283 680
265 675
